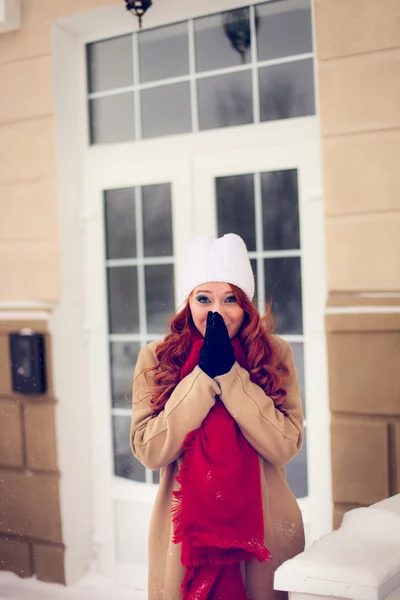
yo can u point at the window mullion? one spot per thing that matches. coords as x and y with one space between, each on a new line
259 242
140 267
254 67
136 88
193 81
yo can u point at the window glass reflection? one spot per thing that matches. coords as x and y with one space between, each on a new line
157 220
253 262
235 207
283 287
166 110
215 38
298 356
123 357
225 100
102 59
123 302
287 90
164 52
280 208
297 473
112 119
119 208
125 464
159 297
285 29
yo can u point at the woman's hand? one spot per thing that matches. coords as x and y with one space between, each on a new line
216 356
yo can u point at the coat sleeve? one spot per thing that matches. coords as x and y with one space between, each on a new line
156 440
276 436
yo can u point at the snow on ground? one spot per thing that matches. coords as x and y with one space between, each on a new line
91 587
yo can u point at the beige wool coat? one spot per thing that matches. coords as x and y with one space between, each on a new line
157 441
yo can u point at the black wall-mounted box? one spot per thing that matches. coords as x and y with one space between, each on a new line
27 359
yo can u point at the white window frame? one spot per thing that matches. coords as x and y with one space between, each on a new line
193 76
191 169
72 325
303 155
107 486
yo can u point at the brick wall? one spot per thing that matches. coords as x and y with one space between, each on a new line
358 49
364 359
30 523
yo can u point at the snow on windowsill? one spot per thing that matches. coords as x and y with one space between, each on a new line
360 561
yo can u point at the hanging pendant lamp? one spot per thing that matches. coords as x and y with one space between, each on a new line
138 8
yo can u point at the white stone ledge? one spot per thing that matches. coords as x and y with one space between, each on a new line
360 561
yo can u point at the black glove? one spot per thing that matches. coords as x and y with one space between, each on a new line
216 355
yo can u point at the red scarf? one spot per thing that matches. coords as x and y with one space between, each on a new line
217 513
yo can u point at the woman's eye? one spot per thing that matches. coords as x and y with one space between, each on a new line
202 299
230 299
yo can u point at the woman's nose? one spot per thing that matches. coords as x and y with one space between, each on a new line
220 308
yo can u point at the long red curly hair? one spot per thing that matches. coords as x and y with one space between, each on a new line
264 365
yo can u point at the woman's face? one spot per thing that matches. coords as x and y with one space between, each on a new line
216 297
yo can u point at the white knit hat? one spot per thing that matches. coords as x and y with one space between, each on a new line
222 259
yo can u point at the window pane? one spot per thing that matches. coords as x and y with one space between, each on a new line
225 100
164 52
287 90
253 262
283 286
123 357
284 29
112 119
280 208
159 297
298 355
110 64
214 48
119 206
235 207
123 300
125 464
157 220
296 472
166 110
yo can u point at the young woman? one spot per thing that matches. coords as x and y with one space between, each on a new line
216 407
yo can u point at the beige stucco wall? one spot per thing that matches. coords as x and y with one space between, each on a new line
358 49
31 536
28 226
359 92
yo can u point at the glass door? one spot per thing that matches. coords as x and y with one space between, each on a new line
140 221
140 224
155 103
139 267
271 196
